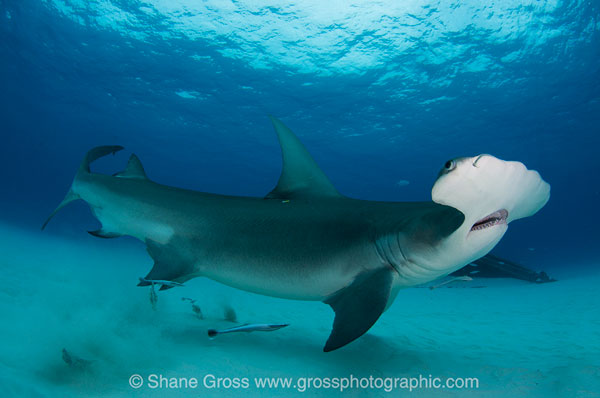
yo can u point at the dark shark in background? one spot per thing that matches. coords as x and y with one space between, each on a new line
304 240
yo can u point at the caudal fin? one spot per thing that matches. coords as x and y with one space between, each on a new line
84 168
96 153
71 196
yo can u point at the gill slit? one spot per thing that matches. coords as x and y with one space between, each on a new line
387 253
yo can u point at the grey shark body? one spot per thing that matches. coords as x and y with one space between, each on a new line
304 240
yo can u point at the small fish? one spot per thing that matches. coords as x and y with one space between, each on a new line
458 278
229 314
195 307
168 284
403 183
198 311
249 327
153 297
74 361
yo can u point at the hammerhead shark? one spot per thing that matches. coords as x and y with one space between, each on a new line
306 241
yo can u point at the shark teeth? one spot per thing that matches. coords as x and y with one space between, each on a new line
498 217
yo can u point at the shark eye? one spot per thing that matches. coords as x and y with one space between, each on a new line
450 165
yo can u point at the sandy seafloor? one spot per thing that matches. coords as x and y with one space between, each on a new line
518 339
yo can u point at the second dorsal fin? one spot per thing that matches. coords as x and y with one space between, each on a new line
300 175
134 169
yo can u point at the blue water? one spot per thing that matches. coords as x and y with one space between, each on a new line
381 93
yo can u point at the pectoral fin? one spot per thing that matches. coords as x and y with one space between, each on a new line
171 262
358 306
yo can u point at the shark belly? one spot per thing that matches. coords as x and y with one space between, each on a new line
260 246
278 256
285 275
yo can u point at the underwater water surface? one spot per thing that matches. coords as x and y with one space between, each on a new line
382 94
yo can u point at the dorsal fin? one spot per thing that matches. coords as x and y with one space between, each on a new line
300 175
134 169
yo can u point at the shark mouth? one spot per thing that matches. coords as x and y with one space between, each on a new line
498 217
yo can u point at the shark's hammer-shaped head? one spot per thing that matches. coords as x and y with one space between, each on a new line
490 193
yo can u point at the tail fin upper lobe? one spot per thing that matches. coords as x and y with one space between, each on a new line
84 168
